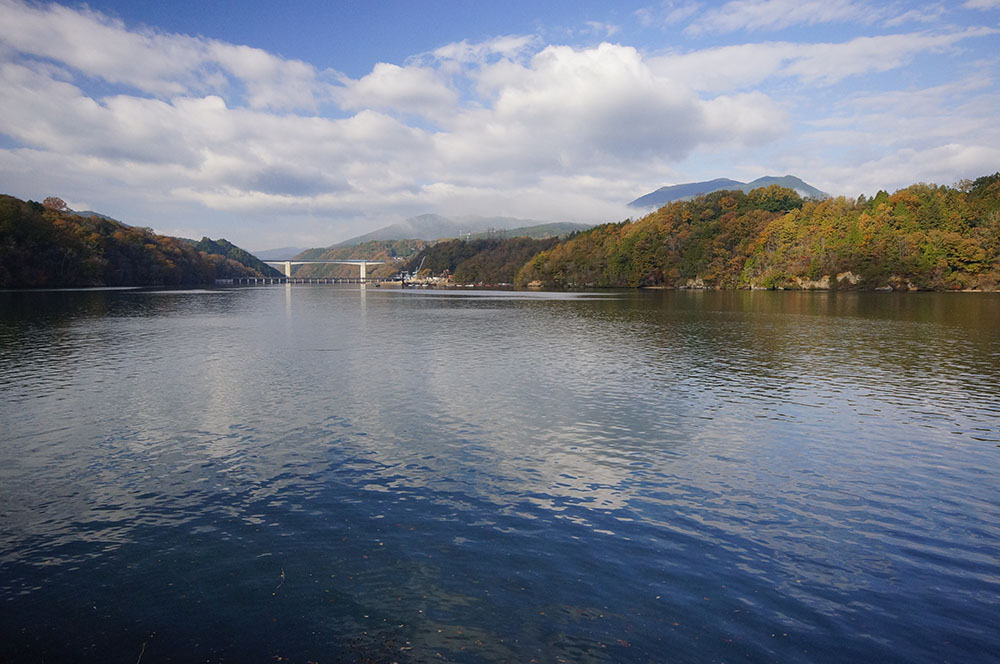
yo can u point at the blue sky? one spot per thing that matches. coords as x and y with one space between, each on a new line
307 123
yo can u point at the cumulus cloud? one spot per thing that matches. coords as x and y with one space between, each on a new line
46 113
603 99
156 63
526 115
411 89
509 125
588 110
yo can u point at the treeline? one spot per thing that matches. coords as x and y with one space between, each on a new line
922 237
484 261
44 247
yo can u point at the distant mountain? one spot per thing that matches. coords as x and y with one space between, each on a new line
436 227
676 192
680 192
277 254
539 232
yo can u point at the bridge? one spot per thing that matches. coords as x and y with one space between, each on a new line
362 279
363 264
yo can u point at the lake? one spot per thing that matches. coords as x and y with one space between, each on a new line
321 473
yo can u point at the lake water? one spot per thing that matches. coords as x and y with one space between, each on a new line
316 473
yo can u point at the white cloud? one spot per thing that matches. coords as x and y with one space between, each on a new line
928 14
584 108
949 131
754 15
982 4
407 90
600 29
271 82
155 63
744 119
509 47
42 112
669 13
748 65
184 127
941 164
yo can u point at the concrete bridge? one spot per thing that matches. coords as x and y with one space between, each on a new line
363 264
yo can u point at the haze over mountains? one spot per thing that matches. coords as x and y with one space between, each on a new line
436 227
279 253
688 190
431 227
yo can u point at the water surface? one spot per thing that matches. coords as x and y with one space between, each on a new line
317 473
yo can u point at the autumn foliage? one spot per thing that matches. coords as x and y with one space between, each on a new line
47 246
923 237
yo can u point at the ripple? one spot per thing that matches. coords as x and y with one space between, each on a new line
312 473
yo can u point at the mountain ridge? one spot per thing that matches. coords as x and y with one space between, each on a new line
688 190
436 227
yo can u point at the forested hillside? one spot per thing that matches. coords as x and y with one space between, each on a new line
921 237
242 256
487 261
49 247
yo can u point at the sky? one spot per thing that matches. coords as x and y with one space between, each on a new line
307 123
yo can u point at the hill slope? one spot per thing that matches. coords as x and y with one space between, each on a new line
223 247
923 237
47 248
485 261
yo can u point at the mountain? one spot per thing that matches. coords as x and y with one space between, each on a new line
436 227
788 182
278 254
676 192
539 232
687 191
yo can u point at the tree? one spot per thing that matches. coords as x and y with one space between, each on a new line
55 203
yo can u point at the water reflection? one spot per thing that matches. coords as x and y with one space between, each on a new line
499 477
